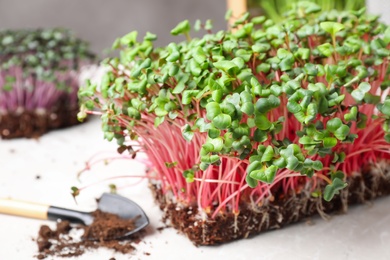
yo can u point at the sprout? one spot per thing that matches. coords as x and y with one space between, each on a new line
255 112
39 73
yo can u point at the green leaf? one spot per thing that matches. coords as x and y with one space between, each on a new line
333 189
329 192
365 87
386 36
312 111
150 37
338 174
182 28
189 175
240 63
332 27
261 47
109 136
217 143
227 66
181 84
228 108
256 86
280 163
173 70
75 191
210 159
263 67
254 166
134 113
357 94
263 105
206 148
385 107
129 39
317 165
228 14
214 133
286 64
333 124
170 164
248 108
158 121
342 132
244 17
265 175
213 109
293 107
250 181
260 136
258 19
199 55
362 121
303 53
208 25
195 68
7 40
229 45
268 154
310 69
222 121
325 49
292 163
188 95
262 122
351 116
371 99
329 142
307 140
217 95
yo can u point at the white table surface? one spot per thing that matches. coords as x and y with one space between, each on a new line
363 233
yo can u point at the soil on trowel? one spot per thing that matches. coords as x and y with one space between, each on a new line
74 240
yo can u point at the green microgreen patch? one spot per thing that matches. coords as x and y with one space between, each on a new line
39 68
240 111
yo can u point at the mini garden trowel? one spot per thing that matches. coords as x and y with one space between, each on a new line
110 203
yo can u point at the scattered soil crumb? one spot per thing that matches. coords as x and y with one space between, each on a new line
146 253
74 240
12 150
38 177
310 222
162 228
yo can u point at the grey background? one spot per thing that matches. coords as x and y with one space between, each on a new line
101 21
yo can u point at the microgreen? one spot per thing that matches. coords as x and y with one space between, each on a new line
277 10
239 112
38 68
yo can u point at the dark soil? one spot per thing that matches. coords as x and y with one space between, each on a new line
31 124
201 229
101 233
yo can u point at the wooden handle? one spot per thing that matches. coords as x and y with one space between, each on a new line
23 208
238 7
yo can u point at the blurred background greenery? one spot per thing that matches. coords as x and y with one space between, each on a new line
100 21
276 8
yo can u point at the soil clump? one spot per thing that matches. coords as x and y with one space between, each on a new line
69 240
